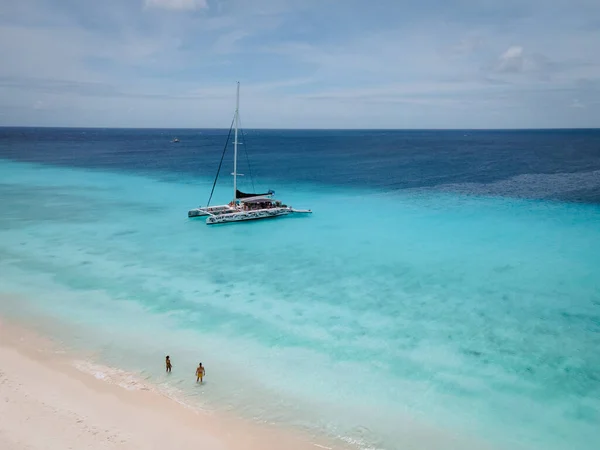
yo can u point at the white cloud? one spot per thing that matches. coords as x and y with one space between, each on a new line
512 60
516 60
177 5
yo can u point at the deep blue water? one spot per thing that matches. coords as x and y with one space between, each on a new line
381 159
444 294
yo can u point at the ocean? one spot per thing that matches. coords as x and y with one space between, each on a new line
446 284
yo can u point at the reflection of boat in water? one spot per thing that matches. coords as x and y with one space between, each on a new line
244 206
175 140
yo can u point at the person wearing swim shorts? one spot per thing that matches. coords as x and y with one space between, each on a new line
200 373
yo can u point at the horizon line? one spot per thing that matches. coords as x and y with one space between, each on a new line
298 129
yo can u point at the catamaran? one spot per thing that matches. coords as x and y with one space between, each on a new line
244 206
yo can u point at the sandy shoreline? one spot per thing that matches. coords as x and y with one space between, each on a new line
47 403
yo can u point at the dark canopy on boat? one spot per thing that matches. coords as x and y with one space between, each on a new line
258 200
240 194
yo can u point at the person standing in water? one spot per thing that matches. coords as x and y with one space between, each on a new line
200 373
168 363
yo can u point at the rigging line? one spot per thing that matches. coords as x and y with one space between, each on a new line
220 163
246 150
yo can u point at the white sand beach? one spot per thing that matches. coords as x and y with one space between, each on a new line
46 403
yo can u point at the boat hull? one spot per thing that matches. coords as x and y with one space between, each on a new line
243 216
210 210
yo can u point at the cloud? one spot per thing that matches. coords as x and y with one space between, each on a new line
516 60
511 61
399 63
177 5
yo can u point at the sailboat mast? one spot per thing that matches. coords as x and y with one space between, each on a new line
235 142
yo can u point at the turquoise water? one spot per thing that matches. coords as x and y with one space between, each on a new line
479 315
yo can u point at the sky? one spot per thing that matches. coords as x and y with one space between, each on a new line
301 63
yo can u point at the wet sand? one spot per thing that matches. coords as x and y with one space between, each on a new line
47 403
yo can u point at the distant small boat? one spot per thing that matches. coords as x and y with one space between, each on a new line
175 140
